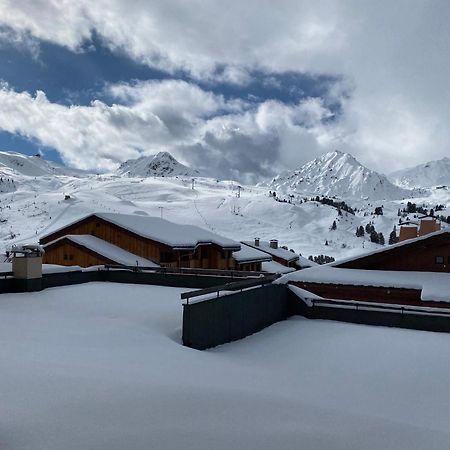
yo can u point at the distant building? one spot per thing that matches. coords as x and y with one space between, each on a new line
412 229
413 272
248 258
105 238
280 255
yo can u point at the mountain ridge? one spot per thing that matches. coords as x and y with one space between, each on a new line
431 173
338 174
162 164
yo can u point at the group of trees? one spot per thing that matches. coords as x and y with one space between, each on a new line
336 204
273 194
321 259
412 208
7 184
393 238
377 238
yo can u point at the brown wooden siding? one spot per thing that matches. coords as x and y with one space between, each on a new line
66 253
284 262
204 256
249 267
367 293
418 256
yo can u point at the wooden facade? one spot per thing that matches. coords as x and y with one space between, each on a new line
426 254
285 262
375 294
72 254
204 255
255 266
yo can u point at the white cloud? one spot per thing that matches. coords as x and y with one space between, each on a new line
229 138
393 54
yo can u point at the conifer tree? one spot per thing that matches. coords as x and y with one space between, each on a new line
374 237
393 238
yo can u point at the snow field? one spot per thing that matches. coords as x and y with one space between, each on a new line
101 366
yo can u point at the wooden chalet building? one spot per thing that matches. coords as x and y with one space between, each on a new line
105 238
413 272
278 254
248 258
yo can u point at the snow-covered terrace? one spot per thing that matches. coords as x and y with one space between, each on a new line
101 366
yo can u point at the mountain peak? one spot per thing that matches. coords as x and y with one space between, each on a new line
338 174
432 173
14 163
162 164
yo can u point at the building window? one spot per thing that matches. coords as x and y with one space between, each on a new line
439 260
71 257
66 257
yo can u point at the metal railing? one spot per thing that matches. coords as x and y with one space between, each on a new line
6 274
234 286
385 307
187 271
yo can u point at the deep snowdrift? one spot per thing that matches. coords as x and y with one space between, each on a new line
100 366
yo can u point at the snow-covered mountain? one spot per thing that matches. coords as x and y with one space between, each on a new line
31 204
12 163
433 173
163 164
338 174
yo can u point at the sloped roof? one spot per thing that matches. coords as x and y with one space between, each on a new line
274 267
304 263
264 246
174 235
106 249
389 248
249 254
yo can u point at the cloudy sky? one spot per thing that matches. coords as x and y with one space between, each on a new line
242 88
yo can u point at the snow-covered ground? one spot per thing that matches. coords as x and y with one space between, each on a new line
39 205
46 197
100 366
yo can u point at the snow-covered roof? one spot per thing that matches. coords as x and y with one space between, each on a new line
249 254
274 267
174 235
390 247
434 286
305 262
264 246
107 250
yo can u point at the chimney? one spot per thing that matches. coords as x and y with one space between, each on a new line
256 242
428 225
274 243
408 231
